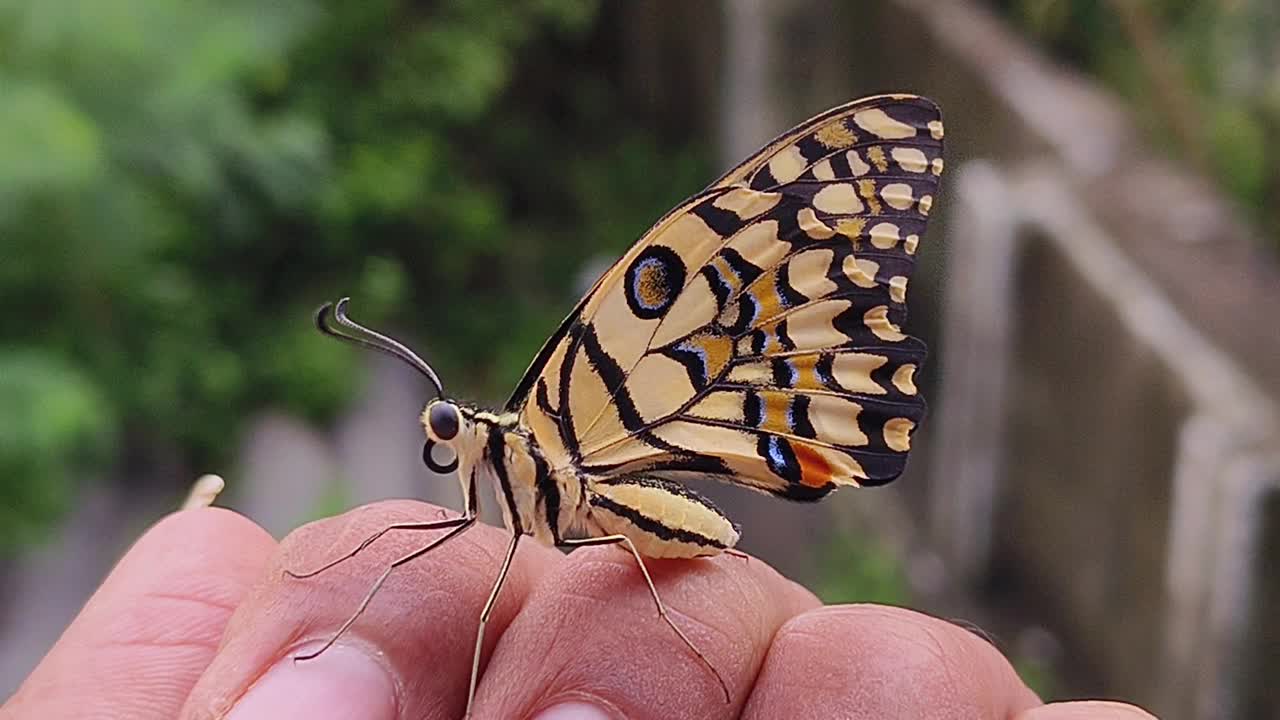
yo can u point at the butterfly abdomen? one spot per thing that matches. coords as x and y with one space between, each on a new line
662 518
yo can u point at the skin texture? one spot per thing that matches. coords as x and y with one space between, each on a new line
198 621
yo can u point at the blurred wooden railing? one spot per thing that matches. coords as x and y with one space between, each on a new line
1097 450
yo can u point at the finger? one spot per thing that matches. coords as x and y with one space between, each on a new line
143 639
591 634
872 661
1086 710
408 655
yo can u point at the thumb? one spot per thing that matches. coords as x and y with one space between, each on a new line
143 639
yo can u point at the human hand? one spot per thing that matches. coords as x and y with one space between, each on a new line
199 621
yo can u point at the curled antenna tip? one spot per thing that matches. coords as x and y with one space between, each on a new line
357 334
319 316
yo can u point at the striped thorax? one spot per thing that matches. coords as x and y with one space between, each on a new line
553 504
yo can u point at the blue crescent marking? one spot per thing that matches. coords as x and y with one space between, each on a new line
793 375
749 299
775 452
696 350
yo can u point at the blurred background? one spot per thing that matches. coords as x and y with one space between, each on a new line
182 183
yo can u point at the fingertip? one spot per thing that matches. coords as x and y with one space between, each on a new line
155 622
1086 710
419 626
214 535
792 597
346 681
593 627
204 557
864 661
577 710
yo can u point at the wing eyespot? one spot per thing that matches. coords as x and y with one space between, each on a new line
653 281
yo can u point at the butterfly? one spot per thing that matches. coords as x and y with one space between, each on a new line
752 335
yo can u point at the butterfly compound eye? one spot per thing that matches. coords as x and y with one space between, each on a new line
443 418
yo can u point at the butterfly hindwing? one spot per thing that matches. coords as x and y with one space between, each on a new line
753 334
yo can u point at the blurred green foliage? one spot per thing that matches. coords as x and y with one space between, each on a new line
53 423
1040 676
183 182
1203 78
856 568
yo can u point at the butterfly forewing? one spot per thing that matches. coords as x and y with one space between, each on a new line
754 334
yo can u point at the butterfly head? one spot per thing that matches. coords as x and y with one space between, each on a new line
449 425
463 429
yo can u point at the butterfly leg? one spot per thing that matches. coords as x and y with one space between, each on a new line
653 590
467 523
484 618
435 525
468 516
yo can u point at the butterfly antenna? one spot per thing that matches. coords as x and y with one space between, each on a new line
357 334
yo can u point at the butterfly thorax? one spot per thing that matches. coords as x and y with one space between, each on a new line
556 503
536 499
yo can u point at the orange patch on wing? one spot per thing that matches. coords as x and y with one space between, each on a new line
815 471
716 349
768 298
776 408
727 273
851 227
867 189
652 286
836 135
876 154
772 343
806 372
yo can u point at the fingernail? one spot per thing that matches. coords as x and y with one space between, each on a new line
204 491
343 682
575 710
